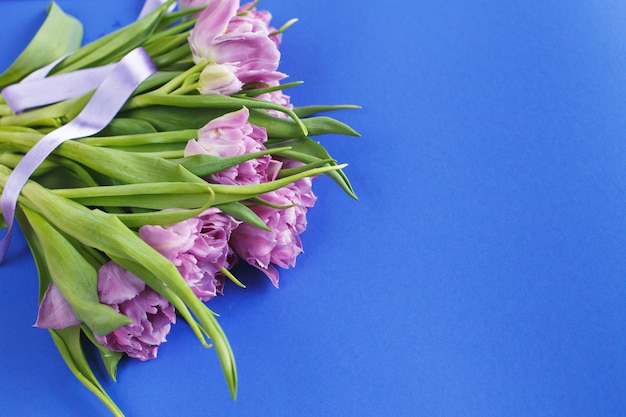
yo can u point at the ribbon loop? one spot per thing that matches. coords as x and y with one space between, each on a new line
118 85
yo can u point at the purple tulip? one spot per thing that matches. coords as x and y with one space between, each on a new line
54 310
232 135
262 19
221 36
198 247
152 314
280 246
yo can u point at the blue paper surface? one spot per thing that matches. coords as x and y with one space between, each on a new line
481 273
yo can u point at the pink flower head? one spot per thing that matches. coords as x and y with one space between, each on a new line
212 23
198 247
152 314
262 18
222 37
232 135
280 246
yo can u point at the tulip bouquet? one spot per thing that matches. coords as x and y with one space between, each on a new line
143 166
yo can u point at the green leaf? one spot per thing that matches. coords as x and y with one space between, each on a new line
253 90
69 346
166 151
126 167
241 212
59 34
171 18
172 286
112 47
51 116
203 165
150 138
171 26
258 201
37 251
156 80
104 232
11 160
286 128
127 126
177 59
123 166
285 172
230 193
165 119
158 196
158 218
309 151
213 102
75 277
166 44
110 359
307 111
59 177
180 195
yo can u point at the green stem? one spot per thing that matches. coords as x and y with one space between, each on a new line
163 154
177 136
123 166
107 234
258 91
177 81
5 110
79 171
252 6
11 160
185 89
54 115
71 352
178 58
284 27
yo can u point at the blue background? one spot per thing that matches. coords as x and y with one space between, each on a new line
480 274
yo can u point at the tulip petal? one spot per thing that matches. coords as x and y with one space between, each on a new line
212 22
54 311
116 285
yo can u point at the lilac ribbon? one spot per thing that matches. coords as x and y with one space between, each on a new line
37 91
111 95
43 72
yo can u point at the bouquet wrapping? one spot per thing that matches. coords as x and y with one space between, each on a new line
142 167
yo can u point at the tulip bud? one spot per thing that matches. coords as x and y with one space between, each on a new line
219 79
